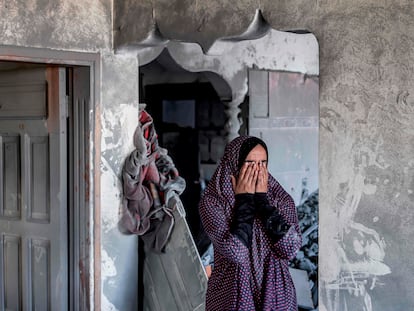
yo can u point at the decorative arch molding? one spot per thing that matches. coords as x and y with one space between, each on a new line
202 23
259 47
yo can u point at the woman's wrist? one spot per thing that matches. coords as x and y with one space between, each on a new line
244 212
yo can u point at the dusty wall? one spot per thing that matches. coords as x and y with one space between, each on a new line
366 143
119 119
366 127
366 130
86 26
69 25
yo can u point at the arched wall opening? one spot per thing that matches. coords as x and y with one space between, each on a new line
265 84
188 109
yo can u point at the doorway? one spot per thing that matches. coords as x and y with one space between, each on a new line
43 204
189 117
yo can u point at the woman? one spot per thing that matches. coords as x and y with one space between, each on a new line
252 223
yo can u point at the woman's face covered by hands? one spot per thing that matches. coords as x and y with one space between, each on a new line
253 174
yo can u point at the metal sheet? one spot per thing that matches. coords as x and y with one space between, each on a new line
175 279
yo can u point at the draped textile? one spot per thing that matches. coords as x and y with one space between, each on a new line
152 186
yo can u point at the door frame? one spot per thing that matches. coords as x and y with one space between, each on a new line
87 238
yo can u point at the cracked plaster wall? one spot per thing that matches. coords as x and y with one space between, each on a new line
119 120
366 120
366 147
366 129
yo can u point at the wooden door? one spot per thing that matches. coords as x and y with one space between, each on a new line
33 190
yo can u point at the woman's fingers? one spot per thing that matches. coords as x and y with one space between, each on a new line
243 170
246 182
262 180
251 177
253 174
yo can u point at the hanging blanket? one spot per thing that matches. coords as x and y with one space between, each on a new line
151 187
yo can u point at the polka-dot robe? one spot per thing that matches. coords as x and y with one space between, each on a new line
255 278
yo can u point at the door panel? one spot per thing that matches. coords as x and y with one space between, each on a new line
10 170
174 280
78 189
33 196
23 96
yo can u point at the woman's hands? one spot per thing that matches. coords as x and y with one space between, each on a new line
252 178
262 179
246 181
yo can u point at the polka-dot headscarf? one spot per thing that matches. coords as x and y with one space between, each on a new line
247 146
234 155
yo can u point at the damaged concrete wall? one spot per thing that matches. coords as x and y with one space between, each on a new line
366 146
119 120
204 20
366 129
366 122
72 25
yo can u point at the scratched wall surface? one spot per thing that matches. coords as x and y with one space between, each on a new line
366 131
366 147
366 164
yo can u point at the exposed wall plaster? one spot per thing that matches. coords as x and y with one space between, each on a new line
110 271
359 245
111 192
116 141
109 266
120 92
231 60
107 305
119 120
